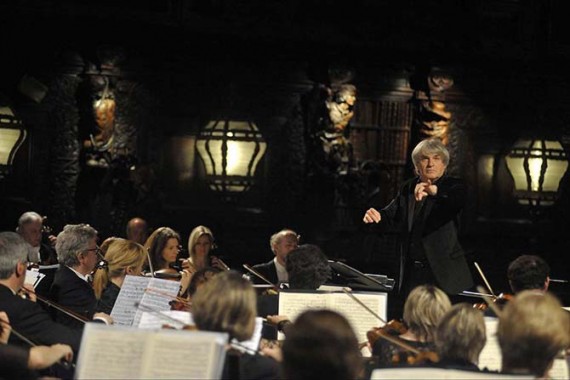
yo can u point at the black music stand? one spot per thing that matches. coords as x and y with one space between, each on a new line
345 275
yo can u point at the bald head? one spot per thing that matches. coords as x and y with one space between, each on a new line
137 230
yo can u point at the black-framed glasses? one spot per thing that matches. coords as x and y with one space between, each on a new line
97 250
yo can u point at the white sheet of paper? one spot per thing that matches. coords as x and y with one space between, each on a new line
33 277
252 345
120 352
151 320
420 373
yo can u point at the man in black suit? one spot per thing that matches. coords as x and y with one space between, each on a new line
78 255
26 317
426 209
281 244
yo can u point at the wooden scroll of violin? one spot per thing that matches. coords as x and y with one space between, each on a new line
274 289
389 332
66 311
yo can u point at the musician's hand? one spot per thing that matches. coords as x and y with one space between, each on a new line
5 328
185 280
30 292
275 319
106 318
372 216
217 263
273 352
44 356
52 240
188 266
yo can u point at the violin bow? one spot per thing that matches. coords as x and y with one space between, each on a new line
64 363
65 311
491 292
491 304
259 275
164 294
159 313
390 339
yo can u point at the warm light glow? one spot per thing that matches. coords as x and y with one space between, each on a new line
537 166
12 135
230 151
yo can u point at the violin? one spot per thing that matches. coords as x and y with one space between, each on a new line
500 300
393 328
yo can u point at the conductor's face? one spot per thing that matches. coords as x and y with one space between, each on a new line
431 167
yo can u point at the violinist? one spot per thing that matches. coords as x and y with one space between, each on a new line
460 337
281 244
321 345
78 255
200 243
533 329
30 227
123 257
21 363
163 246
423 310
227 303
27 317
528 272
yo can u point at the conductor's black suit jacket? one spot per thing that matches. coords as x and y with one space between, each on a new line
431 232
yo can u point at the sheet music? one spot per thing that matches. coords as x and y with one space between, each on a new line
133 291
490 356
151 320
361 319
33 277
422 373
292 304
118 352
252 345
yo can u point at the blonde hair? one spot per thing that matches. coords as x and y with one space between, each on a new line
196 234
424 307
120 255
461 333
226 303
532 330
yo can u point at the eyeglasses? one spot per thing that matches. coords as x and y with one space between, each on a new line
97 250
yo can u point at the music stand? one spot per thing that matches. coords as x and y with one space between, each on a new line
345 275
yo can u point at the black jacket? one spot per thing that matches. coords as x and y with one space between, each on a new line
432 233
70 291
267 270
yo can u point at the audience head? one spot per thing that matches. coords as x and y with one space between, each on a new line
163 247
13 257
137 230
226 303
321 344
30 228
200 242
423 309
308 267
76 247
200 278
532 330
282 243
123 257
528 272
461 334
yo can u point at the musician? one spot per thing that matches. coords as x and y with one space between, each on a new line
200 243
163 246
533 328
30 226
27 317
281 244
20 363
123 257
423 309
460 337
307 267
78 255
321 345
227 303
426 210
137 230
528 272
